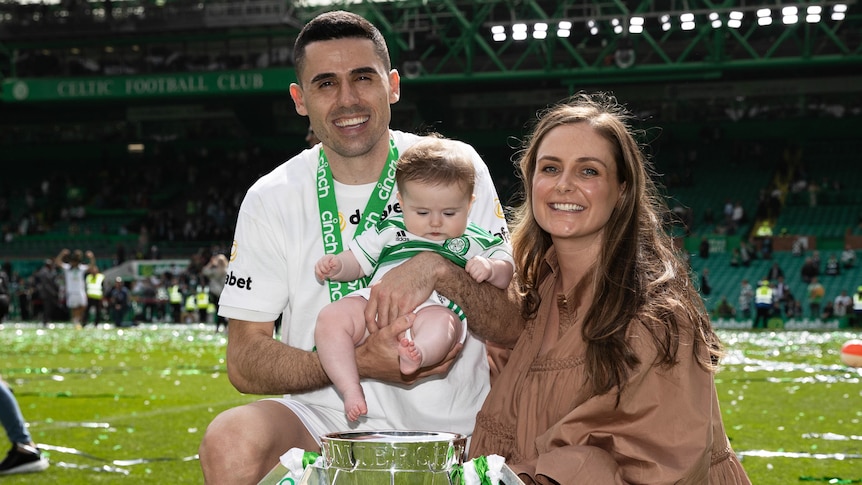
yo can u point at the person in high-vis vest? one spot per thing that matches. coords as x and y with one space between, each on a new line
175 299
203 303
95 295
857 308
763 303
191 309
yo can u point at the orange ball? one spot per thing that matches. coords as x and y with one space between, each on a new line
851 353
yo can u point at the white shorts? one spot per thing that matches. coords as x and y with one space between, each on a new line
320 421
76 300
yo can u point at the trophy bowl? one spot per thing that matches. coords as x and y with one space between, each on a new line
392 457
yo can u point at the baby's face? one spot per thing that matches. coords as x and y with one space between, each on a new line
435 212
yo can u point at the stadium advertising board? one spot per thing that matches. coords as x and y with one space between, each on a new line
158 85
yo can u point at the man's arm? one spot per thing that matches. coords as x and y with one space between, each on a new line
58 260
260 364
492 313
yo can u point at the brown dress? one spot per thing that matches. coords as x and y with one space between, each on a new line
541 419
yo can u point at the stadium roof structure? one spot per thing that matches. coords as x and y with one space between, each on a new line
495 40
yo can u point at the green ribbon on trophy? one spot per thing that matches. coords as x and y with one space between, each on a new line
482 470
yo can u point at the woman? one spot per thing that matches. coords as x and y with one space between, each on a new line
611 380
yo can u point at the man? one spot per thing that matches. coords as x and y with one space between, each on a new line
314 204
74 272
119 299
95 293
48 291
857 308
763 302
216 271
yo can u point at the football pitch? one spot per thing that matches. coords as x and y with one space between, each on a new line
130 405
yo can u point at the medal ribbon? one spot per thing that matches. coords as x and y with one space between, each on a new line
330 223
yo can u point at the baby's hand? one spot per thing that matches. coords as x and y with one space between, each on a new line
479 268
325 267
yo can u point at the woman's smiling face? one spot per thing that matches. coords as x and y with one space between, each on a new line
575 185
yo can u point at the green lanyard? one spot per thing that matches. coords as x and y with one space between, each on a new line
330 225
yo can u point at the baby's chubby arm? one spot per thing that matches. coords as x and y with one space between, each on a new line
338 267
495 271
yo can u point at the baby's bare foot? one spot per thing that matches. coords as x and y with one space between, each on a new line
354 404
410 356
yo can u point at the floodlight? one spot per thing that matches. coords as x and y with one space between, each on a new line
735 21
715 20
687 21
764 17
665 22
839 10
540 30
519 31
813 14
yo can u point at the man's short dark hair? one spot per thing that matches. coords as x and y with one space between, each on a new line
338 24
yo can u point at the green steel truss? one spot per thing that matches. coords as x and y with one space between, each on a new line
452 42
449 41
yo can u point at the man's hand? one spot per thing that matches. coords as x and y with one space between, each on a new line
401 290
377 357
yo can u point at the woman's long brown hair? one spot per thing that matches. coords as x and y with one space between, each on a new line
638 278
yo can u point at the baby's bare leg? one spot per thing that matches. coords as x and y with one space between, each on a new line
340 327
435 331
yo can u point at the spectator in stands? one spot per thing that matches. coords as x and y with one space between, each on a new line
738 216
766 247
703 249
828 311
746 253
734 258
815 259
705 286
857 308
774 272
746 296
843 304
780 287
833 267
48 291
74 271
809 270
728 212
792 306
816 292
724 309
848 257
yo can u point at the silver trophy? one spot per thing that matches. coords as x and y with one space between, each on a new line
385 457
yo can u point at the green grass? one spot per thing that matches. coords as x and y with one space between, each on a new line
116 406
130 406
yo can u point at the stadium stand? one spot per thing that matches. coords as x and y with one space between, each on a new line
727 135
